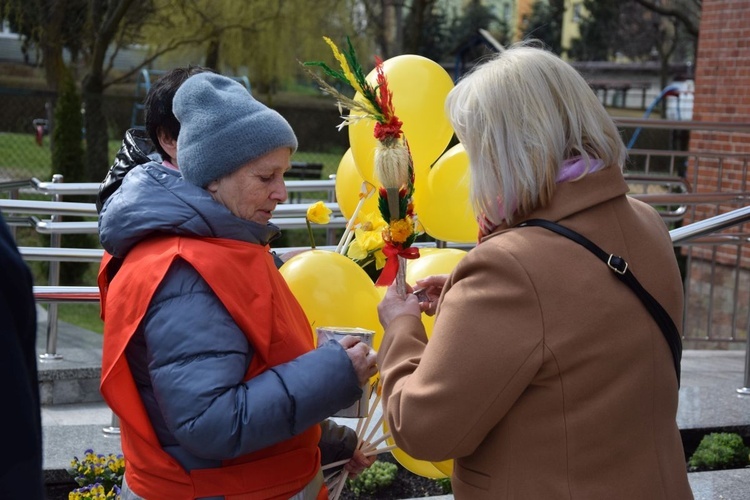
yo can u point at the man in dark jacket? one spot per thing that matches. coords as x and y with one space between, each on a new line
20 427
159 140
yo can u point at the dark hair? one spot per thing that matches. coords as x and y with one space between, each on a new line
158 105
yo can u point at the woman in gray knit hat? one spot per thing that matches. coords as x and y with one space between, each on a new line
208 359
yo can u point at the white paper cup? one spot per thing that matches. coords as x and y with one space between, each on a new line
360 408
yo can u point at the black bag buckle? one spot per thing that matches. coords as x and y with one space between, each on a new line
617 264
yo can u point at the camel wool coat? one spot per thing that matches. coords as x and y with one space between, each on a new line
544 376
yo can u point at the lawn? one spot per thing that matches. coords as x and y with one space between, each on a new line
22 158
85 316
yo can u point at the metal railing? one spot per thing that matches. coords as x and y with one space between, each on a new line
54 279
707 231
286 215
24 213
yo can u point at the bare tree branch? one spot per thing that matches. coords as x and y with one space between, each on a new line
691 25
174 45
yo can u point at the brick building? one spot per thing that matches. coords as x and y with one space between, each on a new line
722 96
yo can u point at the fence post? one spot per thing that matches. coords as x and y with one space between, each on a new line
745 390
13 195
114 426
54 280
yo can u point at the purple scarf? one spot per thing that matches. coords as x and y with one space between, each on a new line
571 169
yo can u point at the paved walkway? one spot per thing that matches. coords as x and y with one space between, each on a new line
708 399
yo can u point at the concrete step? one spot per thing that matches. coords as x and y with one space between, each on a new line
68 430
72 374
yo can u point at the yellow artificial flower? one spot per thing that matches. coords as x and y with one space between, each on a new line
355 251
319 213
371 221
369 232
401 229
369 240
368 237
344 65
379 259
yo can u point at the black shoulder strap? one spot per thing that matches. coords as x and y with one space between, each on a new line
623 273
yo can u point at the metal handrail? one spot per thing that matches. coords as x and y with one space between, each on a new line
92 188
64 188
14 185
60 254
59 294
705 227
681 124
77 209
60 208
703 231
92 227
693 198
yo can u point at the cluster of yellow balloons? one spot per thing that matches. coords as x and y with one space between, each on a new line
419 87
441 194
335 291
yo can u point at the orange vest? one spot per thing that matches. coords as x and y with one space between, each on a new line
243 276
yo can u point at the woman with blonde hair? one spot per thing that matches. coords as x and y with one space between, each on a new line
545 376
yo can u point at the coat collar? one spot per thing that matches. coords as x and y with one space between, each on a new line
574 196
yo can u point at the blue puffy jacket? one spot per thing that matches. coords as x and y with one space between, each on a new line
189 358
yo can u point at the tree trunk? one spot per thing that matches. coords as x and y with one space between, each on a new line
97 154
212 55
419 10
107 22
51 44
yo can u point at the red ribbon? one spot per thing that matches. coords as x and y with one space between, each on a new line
392 252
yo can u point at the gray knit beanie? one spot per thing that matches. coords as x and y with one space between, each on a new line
222 127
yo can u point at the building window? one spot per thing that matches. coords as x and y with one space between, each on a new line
577 9
5 31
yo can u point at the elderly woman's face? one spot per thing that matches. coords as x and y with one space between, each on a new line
252 191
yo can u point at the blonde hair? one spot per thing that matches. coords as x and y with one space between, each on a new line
519 116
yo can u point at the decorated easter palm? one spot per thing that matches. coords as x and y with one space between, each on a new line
394 167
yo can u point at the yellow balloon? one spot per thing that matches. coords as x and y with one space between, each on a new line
419 467
432 261
349 187
443 205
419 87
446 467
333 291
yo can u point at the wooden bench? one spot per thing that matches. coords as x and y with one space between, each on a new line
302 170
